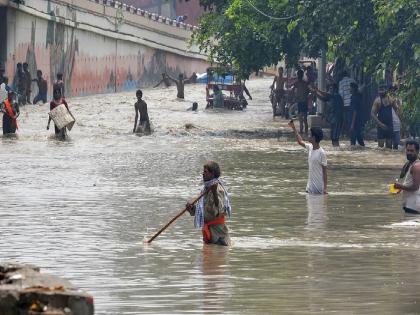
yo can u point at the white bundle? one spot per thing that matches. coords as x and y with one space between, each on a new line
62 117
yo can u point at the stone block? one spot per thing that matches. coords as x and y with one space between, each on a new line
24 290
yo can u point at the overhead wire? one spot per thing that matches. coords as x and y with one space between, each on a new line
269 16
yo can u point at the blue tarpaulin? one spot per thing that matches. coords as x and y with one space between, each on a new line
202 78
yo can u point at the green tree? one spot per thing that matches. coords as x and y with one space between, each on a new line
249 35
234 36
399 26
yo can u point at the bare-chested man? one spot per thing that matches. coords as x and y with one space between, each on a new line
239 91
301 91
180 83
278 89
42 88
410 175
141 107
382 115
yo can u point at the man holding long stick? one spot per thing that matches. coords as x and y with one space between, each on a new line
210 210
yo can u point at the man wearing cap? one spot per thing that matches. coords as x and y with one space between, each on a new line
382 115
10 111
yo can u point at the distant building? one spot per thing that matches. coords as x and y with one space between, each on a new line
191 9
171 8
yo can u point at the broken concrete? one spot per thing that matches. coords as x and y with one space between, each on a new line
25 291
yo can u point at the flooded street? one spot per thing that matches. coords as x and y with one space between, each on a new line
81 209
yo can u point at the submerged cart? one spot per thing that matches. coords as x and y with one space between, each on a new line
233 97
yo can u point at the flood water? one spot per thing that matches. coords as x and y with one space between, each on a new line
81 209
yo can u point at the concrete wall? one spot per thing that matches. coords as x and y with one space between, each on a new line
3 35
98 46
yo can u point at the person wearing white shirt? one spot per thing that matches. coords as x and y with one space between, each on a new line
317 160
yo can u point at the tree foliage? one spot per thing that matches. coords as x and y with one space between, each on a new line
399 25
249 35
233 35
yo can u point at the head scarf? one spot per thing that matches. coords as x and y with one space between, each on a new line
199 209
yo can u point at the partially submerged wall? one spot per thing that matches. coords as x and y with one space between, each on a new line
98 46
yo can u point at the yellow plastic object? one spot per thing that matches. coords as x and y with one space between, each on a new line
393 190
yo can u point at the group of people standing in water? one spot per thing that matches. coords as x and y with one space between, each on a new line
20 94
11 111
210 210
408 183
344 112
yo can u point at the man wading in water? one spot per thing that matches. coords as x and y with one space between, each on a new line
180 84
277 87
10 110
382 115
56 101
411 179
141 107
211 209
317 160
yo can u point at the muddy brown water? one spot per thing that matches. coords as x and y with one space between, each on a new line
82 208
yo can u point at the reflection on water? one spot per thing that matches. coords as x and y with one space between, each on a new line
81 209
317 211
213 264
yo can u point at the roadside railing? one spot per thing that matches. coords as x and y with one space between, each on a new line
144 13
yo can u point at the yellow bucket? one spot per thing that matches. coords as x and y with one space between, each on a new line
393 190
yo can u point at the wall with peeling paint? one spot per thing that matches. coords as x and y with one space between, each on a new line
99 46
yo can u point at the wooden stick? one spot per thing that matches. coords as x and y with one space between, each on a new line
177 216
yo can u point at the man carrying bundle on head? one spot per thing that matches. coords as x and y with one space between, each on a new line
210 211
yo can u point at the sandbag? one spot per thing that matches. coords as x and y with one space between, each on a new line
62 117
